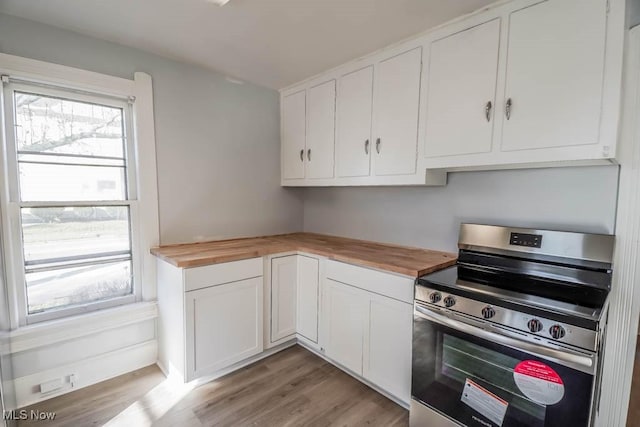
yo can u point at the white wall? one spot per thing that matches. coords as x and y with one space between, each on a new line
210 132
574 199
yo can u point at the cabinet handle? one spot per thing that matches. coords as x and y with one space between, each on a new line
378 145
366 147
487 110
309 154
302 155
507 109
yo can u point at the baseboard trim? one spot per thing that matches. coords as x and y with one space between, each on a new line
110 365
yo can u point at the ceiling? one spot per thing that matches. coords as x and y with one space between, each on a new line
272 43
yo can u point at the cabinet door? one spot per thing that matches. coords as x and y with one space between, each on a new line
387 346
345 312
308 288
284 277
223 325
555 69
355 98
321 109
293 135
396 109
462 84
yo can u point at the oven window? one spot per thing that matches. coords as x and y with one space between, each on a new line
462 360
447 363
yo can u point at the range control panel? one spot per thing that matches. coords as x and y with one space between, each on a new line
527 240
538 326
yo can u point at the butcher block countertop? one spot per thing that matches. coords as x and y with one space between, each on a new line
405 260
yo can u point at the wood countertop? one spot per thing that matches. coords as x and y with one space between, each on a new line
405 260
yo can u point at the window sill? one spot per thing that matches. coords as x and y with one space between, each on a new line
55 331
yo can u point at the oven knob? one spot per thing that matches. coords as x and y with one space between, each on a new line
556 332
449 301
534 325
435 297
488 312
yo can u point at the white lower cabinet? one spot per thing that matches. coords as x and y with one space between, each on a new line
292 299
345 313
284 281
387 345
308 300
366 332
223 325
211 317
216 318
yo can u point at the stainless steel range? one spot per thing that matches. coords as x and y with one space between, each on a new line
510 336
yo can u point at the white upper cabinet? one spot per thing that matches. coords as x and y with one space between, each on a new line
396 111
321 109
521 83
355 102
555 70
462 90
293 135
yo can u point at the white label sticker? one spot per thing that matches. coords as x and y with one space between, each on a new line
485 402
539 382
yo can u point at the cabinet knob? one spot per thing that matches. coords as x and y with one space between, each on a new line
378 145
309 154
366 147
487 110
302 155
507 108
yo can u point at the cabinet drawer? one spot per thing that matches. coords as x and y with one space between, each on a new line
217 274
387 284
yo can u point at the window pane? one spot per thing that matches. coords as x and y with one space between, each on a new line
55 182
55 125
78 285
74 232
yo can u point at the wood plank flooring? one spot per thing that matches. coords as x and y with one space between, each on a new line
633 416
291 388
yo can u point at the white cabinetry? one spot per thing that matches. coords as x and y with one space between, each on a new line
387 344
355 102
376 123
308 291
223 325
462 91
345 312
292 299
294 131
284 280
524 83
557 65
396 110
211 317
555 70
321 137
308 133
367 325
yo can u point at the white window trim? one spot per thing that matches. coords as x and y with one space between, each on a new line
146 234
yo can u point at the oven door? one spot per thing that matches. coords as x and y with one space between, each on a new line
487 378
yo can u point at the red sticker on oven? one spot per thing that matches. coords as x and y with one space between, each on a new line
539 382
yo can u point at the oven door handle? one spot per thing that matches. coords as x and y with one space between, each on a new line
566 357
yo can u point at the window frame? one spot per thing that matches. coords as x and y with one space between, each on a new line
85 86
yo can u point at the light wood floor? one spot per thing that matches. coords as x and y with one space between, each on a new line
293 387
633 417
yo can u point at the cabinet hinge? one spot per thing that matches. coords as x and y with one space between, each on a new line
4 78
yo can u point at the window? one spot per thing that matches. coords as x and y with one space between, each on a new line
71 199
